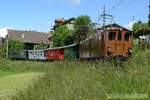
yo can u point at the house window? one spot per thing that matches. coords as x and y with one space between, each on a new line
127 36
112 35
119 36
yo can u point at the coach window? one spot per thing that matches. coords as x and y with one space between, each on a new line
111 35
119 35
127 36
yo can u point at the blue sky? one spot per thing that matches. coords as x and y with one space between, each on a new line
39 15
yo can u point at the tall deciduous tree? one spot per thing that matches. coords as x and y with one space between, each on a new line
60 35
138 26
82 28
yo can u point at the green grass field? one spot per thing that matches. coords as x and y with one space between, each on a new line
10 84
74 80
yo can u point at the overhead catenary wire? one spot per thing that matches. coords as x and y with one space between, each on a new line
105 16
116 5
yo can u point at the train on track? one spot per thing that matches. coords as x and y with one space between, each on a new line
111 41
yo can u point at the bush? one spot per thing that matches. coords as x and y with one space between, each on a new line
15 45
41 46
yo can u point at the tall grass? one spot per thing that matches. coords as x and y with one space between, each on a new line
84 80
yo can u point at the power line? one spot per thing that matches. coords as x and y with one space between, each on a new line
116 5
105 16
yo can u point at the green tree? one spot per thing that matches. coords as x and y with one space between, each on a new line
82 27
12 46
15 45
60 35
41 46
69 40
138 26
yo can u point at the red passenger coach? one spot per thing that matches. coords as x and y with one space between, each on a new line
54 54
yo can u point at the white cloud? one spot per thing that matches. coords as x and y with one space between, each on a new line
130 25
4 31
77 2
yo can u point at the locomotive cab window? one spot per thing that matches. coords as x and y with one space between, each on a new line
127 36
112 35
119 35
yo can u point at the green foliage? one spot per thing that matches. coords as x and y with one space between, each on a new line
40 46
64 36
69 40
84 80
82 27
10 83
15 45
70 54
12 46
138 26
82 20
60 34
